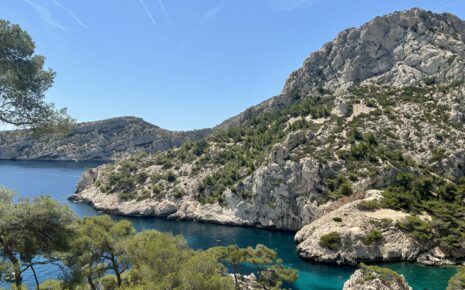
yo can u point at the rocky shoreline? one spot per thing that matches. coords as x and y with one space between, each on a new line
352 224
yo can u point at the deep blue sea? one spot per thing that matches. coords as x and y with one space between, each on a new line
59 179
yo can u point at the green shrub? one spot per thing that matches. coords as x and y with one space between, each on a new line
368 205
399 200
340 187
127 196
120 181
417 229
372 237
331 241
108 282
337 219
458 281
141 177
387 276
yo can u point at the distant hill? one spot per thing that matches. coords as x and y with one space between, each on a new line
100 140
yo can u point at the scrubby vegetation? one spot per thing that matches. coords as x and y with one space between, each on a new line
437 205
387 276
353 149
368 205
331 241
373 237
458 281
99 253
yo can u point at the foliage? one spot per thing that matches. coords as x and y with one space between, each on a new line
372 237
239 150
163 261
30 229
271 274
368 205
458 281
387 276
417 229
96 248
331 241
340 187
440 198
24 82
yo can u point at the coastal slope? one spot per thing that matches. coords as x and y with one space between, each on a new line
381 107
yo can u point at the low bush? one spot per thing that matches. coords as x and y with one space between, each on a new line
127 196
387 276
331 241
368 205
417 229
372 237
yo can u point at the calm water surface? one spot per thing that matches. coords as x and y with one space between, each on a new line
59 179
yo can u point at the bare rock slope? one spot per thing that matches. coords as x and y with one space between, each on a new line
100 140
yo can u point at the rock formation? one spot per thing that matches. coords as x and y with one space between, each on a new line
101 140
364 236
380 100
375 278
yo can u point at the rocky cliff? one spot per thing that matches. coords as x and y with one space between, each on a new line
381 107
376 278
402 48
101 140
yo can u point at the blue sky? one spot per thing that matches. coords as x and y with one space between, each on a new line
184 64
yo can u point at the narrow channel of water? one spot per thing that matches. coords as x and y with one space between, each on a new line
59 179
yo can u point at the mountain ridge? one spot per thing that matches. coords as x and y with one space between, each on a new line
96 140
317 63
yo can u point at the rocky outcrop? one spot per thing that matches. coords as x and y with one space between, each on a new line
366 236
362 109
403 48
353 227
374 278
101 140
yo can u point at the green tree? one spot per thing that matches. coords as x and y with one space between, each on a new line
32 232
164 261
271 273
233 257
23 82
97 248
423 186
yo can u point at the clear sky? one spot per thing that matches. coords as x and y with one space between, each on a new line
184 64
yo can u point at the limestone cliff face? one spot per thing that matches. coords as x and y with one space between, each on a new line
365 236
384 98
403 48
101 140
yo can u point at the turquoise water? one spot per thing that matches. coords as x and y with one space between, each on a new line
58 179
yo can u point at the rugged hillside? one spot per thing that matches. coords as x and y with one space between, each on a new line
380 107
101 140
397 49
